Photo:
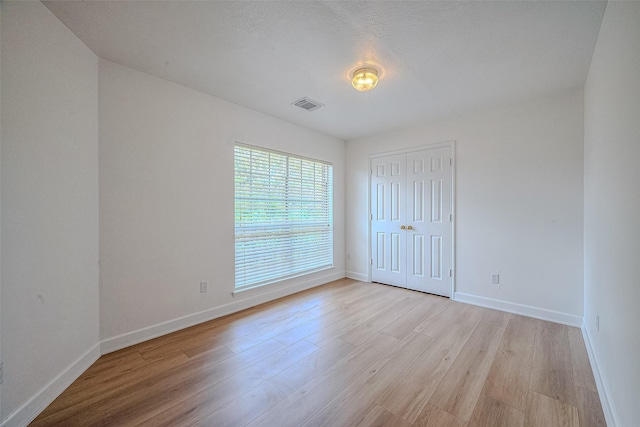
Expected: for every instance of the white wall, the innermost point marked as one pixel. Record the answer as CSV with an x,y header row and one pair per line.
x,y
612,211
519,196
166,202
49,207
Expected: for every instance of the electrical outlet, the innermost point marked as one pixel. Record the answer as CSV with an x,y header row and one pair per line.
x,y
495,279
204,287
598,323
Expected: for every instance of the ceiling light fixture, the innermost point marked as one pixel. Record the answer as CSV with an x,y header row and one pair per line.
x,y
364,79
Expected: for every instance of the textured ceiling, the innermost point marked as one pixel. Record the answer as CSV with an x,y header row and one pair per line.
x,y
436,58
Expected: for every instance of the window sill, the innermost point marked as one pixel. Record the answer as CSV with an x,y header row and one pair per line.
x,y
281,284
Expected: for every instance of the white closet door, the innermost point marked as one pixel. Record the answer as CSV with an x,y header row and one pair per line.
x,y
410,220
388,206
428,221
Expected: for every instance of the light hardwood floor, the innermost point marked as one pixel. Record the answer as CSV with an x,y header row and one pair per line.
x,y
344,354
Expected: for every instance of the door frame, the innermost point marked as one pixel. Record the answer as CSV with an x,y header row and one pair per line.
x,y
452,197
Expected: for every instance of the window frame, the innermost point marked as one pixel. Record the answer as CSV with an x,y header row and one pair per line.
x,y
294,220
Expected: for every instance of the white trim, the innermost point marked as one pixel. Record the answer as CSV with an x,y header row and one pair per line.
x,y
369,218
603,390
47,394
247,300
362,277
525,310
452,224
442,144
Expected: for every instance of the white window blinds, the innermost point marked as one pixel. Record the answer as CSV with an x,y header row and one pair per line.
x,y
283,216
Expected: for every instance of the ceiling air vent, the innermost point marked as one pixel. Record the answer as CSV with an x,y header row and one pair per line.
x,y
307,104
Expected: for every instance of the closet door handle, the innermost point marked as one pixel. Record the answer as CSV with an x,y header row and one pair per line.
x,y
402,227
409,227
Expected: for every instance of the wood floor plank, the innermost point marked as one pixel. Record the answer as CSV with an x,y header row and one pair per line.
x,y
349,407
471,316
508,379
306,402
372,326
350,294
420,379
582,373
259,399
195,400
405,324
536,323
493,413
496,319
110,366
589,409
460,388
207,350
552,370
348,322
327,356
332,293
253,338
380,417
441,319
329,320
300,332
157,355
432,416
149,397
543,411
113,364
213,338
69,405
244,409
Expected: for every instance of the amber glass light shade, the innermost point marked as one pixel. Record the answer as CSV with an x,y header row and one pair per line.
x,y
364,79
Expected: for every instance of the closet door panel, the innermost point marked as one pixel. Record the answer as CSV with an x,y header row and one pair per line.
x,y
429,208
388,215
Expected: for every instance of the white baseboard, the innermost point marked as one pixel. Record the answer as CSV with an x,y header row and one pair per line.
x,y
603,390
357,276
43,398
525,310
246,300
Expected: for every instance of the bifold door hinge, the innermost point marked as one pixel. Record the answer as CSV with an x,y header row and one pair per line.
x,y
371,261
450,273
450,217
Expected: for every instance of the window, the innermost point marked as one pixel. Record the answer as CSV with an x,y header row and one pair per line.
x,y
283,216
